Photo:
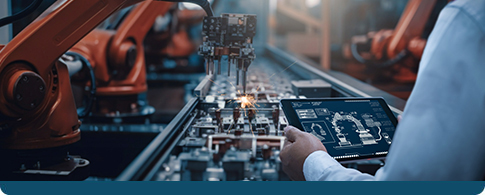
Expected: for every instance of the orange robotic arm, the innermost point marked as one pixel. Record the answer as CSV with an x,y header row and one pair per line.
x,y
405,38
118,60
37,109
180,44
409,29
118,57
173,41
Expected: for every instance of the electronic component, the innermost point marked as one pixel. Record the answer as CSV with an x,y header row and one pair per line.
x,y
229,35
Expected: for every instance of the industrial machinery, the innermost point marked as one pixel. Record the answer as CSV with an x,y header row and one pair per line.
x,y
404,45
38,117
229,35
38,114
171,45
118,59
226,135
117,56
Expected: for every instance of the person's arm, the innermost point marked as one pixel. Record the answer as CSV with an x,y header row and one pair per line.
x,y
441,134
305,158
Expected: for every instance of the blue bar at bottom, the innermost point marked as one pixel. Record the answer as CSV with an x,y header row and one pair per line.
x,y
248,188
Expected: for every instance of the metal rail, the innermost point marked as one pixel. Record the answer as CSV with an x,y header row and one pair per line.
x,y
150,157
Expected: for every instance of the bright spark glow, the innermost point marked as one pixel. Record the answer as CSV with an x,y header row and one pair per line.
x,y
247,101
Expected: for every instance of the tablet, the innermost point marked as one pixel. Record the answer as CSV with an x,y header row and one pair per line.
x,y
351,129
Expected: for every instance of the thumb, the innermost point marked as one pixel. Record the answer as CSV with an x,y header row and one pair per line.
x,y
292,133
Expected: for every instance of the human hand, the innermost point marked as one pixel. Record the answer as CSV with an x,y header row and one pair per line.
x,y
298,146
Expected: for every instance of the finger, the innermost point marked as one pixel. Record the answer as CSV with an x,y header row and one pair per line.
x,y
287,143
292,133
284,151
286,146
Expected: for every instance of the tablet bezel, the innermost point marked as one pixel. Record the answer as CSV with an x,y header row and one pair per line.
x,y
293,120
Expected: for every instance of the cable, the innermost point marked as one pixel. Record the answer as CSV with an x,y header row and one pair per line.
x,y
401,55
202,3
87,109
31,8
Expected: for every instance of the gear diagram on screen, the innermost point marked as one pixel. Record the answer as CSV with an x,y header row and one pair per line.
x,y
350,129
317,128
320,130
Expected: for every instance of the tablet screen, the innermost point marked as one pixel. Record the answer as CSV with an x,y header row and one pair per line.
x,y
349,128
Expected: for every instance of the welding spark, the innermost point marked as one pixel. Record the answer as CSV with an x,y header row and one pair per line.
x,y
246,102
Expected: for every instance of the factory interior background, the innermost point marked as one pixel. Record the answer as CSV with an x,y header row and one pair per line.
x,y
151,102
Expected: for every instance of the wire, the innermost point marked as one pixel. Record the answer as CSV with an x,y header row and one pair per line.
x,y
202,3
31,8
87,109
401,55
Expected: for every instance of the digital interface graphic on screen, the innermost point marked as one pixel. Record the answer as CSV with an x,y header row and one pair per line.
x,y
349,129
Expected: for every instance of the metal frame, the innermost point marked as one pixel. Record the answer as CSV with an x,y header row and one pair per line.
x,y
204,86
322,24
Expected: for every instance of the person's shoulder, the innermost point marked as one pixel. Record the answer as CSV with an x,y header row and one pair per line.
x,y
475,9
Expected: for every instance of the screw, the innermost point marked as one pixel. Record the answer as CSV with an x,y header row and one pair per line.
x,y
19,97
32,105
25,78
41,88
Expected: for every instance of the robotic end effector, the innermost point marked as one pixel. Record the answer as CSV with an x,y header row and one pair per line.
x,y
229,35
